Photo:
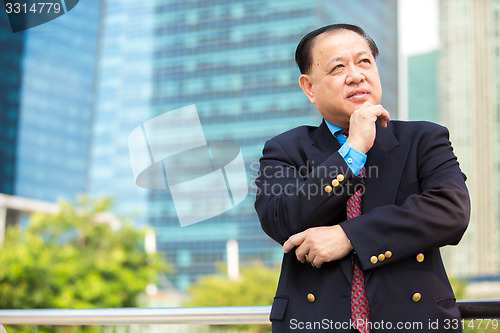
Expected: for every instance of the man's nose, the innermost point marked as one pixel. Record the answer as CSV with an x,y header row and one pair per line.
x,y
355,75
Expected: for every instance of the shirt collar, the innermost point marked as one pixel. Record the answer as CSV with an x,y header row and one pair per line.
x,y
333,128
341,138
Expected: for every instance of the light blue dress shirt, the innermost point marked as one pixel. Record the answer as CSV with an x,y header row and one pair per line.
x,y
354,158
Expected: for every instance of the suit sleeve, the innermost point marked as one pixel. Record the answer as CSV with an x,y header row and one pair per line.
x,y
290,199
435,217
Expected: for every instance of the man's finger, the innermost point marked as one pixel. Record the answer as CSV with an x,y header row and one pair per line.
x,y
303,254
293,241
383,116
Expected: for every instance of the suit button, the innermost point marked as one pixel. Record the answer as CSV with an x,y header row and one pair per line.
x,y
381,257
420,257
311,298
335,183
388,254
340,177
416,297
373,260
328,189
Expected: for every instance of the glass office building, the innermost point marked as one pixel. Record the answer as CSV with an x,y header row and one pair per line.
x,y
470,108
11,51
235,61
47,100
423,93
124,96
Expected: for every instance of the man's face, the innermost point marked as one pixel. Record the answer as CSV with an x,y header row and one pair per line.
x,y
343,76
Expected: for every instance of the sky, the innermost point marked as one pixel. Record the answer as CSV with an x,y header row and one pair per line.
x,y
419,26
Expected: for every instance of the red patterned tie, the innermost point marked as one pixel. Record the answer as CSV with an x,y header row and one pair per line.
x,y
359,302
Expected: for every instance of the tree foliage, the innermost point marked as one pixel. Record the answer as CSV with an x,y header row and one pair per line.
x,y
73,259
256,285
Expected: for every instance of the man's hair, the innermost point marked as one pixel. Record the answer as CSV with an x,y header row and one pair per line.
x,y
303,56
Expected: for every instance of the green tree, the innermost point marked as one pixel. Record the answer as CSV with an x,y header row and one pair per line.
x,y
256,285
75,259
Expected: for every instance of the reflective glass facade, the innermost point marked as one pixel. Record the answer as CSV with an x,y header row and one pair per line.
x,y
124,98
11,55
235,61
423,87
55,101
470,108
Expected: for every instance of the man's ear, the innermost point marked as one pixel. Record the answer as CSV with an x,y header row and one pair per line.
x,y
305,82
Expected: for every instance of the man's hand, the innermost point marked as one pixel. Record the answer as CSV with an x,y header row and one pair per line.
x,y
362,128
320,244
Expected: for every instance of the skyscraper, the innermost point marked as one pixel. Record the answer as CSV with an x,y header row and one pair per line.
x,y
47,100
235,61
11,47
423,93
469,68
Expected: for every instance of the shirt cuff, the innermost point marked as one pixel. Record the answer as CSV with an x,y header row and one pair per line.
x,y
354,158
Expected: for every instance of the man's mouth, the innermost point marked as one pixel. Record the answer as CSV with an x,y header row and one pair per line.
x,y
357,92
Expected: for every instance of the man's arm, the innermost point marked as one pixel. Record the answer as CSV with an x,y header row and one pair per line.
x,y
438,215
435,217
290,200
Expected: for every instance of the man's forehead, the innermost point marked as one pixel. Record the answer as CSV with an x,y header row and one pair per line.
x,y
340,37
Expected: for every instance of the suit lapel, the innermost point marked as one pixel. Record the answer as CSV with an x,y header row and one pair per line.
x,y
384,167
324,144
383,170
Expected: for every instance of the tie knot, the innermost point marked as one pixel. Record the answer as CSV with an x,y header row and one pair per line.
x,y
345,132
362,172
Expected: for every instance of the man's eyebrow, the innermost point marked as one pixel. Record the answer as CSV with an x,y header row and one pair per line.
x,y
357,54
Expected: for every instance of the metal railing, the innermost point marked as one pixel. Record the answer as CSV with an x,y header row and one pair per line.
x,y
217,315
479,309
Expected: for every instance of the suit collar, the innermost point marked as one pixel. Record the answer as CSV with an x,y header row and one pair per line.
x,y
324,139
383,169
385,139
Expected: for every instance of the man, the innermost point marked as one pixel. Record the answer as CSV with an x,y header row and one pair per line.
x,y
360,214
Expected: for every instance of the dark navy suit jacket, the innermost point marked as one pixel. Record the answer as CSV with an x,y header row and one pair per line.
x,y
415,201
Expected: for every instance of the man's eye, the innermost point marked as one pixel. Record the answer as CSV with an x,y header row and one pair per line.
x,y
366,60
339,66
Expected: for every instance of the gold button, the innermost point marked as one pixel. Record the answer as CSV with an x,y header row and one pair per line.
x,y
381,257
416,297
388,254
328,189
373,260
311,298
335,183
340,177
420,257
